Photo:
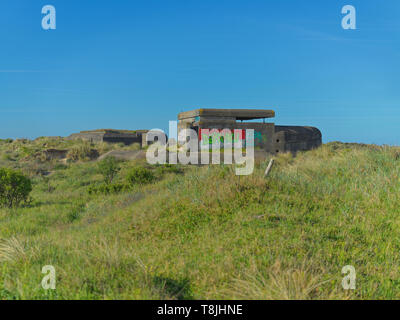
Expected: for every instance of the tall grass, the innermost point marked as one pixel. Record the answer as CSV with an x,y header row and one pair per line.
x,y
204,233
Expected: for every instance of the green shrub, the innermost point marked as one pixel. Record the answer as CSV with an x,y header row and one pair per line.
x,y
7,157
6,140
108,188
109,168
14,188
75,213
60,166
168,168
139,175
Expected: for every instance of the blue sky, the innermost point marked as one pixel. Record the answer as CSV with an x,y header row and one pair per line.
x,y
136,64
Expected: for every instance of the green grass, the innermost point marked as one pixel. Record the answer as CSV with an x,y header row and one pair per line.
x,y
204,233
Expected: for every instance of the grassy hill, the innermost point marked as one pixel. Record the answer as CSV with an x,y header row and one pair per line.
x,y
204,233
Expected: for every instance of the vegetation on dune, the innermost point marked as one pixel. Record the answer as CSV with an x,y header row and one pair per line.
x,y
14,188
109,168
204,233
140,175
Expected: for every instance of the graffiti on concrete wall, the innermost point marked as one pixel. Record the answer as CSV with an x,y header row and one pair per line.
x,y
258,137
220,137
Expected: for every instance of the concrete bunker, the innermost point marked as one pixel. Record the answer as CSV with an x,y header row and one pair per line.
x,y
126,137
268,137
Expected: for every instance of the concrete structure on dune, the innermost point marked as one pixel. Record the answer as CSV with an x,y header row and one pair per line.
x,y
267,136
112,136
209,125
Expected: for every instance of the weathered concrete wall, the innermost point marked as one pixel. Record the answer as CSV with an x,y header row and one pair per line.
x,y
263,132
125,138
238,114
88,136
296,138
111,136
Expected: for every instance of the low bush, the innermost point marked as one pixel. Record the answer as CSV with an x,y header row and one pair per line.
x,y
168,168
139,175
60,166
6,140
14,188
108,188
109,168
75,212
7,157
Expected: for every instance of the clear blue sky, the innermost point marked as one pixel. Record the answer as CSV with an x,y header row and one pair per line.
x,y
136,64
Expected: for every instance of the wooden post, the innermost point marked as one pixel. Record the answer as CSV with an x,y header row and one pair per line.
x,y
271,162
